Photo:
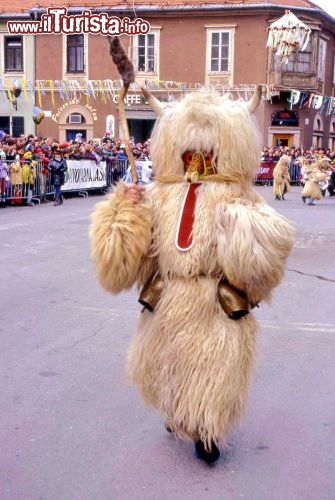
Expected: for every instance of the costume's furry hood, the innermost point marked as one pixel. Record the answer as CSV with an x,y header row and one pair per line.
x,y
205,121
284,160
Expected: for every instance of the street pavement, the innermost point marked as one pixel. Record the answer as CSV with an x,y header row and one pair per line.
x,y
73,428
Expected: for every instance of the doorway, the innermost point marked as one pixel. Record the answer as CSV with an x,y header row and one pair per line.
x,y
283,140
140,129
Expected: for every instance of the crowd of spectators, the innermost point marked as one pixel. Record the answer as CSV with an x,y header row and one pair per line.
x,y
28,148
272,153
300,158
37,153
109,149
41,148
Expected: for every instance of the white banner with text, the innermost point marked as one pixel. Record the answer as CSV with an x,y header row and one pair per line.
x,y
84,174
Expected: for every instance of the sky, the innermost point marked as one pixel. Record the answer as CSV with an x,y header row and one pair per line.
x,y
326,5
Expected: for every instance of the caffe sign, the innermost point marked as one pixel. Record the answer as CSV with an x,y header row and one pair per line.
x,y
129,99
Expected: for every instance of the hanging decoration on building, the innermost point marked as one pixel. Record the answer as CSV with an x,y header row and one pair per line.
x,y
107,90
285,118
304,99
16,88
286,35
294,98
38,115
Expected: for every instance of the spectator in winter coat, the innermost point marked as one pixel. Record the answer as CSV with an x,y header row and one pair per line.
x,y
28,180
15,176
43,173
331,184
57,168
3,177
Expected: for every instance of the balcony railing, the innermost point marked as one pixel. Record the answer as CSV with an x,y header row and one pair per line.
x,y
298,81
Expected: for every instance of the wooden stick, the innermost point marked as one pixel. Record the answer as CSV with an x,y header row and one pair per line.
x,y
125,130
126,69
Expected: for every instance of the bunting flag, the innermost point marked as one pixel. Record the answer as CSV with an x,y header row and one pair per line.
x,y
304,99
25,88
51,86
294,99
39,95
317,101
106,90
331,106
325,104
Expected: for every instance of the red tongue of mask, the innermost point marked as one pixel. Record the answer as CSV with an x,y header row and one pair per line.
x,y
194,164
184,231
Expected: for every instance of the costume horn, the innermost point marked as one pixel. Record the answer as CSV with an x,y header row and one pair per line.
x,y
253,103
38,115
154,103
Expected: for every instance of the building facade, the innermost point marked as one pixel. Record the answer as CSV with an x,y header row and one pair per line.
x,y
17,64
71,76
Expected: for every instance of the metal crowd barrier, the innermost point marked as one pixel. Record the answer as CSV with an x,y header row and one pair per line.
x,y
264,174
42,190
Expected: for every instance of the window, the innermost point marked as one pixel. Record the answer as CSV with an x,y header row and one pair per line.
x,y
13,53
220,54
322,59
76,118
5,124
220,51
317,132
18,126
75,53
146,53
299,62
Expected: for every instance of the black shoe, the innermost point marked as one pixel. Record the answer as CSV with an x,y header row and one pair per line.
x,y
282,198
208,456
303,199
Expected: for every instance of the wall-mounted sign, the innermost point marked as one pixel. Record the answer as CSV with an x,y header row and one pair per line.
x,y
285,118
110,125
59,111
93,111
129,99
55,116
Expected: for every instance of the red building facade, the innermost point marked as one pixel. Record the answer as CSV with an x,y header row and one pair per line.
x,y
188,44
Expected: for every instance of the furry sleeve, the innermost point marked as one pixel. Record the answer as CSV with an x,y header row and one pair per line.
x,y
254,242
120,235
278,175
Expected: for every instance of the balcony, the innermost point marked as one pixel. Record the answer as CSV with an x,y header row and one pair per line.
x,y
297,81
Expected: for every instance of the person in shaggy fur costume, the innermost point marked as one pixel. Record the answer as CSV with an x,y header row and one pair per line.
x,y
204,248
281,177
315,173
